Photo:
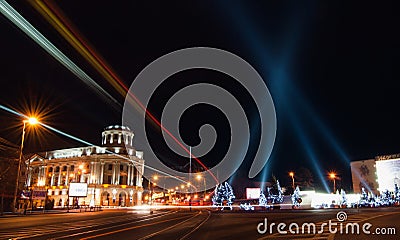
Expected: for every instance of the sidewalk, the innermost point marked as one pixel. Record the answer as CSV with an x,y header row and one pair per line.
x,y
41,212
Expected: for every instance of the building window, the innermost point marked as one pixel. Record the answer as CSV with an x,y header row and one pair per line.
x,y
110,166
109,179
57,169
121,167
50,169
120,179
64,168
72,168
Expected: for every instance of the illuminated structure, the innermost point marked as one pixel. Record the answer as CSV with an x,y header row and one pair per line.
x,y
376,175
112,171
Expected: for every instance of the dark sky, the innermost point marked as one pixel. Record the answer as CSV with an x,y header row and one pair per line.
x,y
330,68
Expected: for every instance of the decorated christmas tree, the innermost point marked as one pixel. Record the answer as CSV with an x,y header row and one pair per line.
x,y
343,197
364,195
262,201
296,200
223,192
230,196
279,198
396,193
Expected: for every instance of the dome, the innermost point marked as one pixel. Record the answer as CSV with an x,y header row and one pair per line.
x,y
118,139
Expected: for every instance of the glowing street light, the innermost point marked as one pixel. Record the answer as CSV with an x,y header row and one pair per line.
x,y
30,121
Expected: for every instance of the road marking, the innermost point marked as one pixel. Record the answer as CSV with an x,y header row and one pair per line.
x,y
197,227
130,228
29,232
168,228
118,225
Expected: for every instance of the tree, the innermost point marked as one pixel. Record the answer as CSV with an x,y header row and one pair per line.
x,y
223,192
296,199
304,178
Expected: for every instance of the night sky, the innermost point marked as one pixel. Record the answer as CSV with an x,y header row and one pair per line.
x,y
329,66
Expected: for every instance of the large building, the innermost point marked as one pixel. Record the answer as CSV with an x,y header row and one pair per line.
x,y
113,171
376,175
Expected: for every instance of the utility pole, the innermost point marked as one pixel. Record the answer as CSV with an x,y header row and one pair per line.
x,y
190,173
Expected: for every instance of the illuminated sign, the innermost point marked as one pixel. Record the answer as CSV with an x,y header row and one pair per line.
x,y
388,173
253,193
78,189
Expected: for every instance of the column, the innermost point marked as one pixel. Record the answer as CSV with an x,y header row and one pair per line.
x,y
118,173
128,181
44,180
59,176
133,175
67,176
113,174
139,175
91,169
101,173
52,176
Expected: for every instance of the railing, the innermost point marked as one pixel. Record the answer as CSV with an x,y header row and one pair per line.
x,y
88,208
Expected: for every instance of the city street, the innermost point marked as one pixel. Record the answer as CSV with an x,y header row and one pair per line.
x,y
199,223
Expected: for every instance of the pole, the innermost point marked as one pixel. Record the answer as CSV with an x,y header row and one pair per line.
x,y
205,187
19,168
293,182
190,172
334,185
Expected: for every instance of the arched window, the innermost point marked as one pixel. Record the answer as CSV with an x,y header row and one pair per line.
x,y
57,169
64,168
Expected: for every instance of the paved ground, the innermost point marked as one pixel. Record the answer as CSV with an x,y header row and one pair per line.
x,y
205,223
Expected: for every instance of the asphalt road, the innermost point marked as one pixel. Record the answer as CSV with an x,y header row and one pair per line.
x,y
206,224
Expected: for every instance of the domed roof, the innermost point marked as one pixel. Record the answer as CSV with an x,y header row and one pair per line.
x,y
117,127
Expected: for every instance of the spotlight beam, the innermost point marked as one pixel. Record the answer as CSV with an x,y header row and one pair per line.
x,y
9,12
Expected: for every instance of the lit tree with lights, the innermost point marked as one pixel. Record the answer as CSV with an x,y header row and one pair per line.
x,y
223,192
279,198
296,199
343,197
396,193
262,201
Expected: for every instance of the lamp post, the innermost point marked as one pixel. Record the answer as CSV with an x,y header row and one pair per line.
x,y
333,177
31,121
291,174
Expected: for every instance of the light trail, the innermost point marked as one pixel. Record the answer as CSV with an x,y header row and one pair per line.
x,y
88,143
9,12
55,17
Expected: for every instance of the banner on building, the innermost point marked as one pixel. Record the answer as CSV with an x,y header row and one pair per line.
x,y
78,189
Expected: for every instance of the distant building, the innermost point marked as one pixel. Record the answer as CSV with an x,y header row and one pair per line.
x,y
376,175
113,172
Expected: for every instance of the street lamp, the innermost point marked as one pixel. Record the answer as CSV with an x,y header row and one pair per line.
x,y
31,121
332,176
291,174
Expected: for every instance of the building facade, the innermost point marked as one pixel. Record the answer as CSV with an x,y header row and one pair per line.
x,y
376,175
113,171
